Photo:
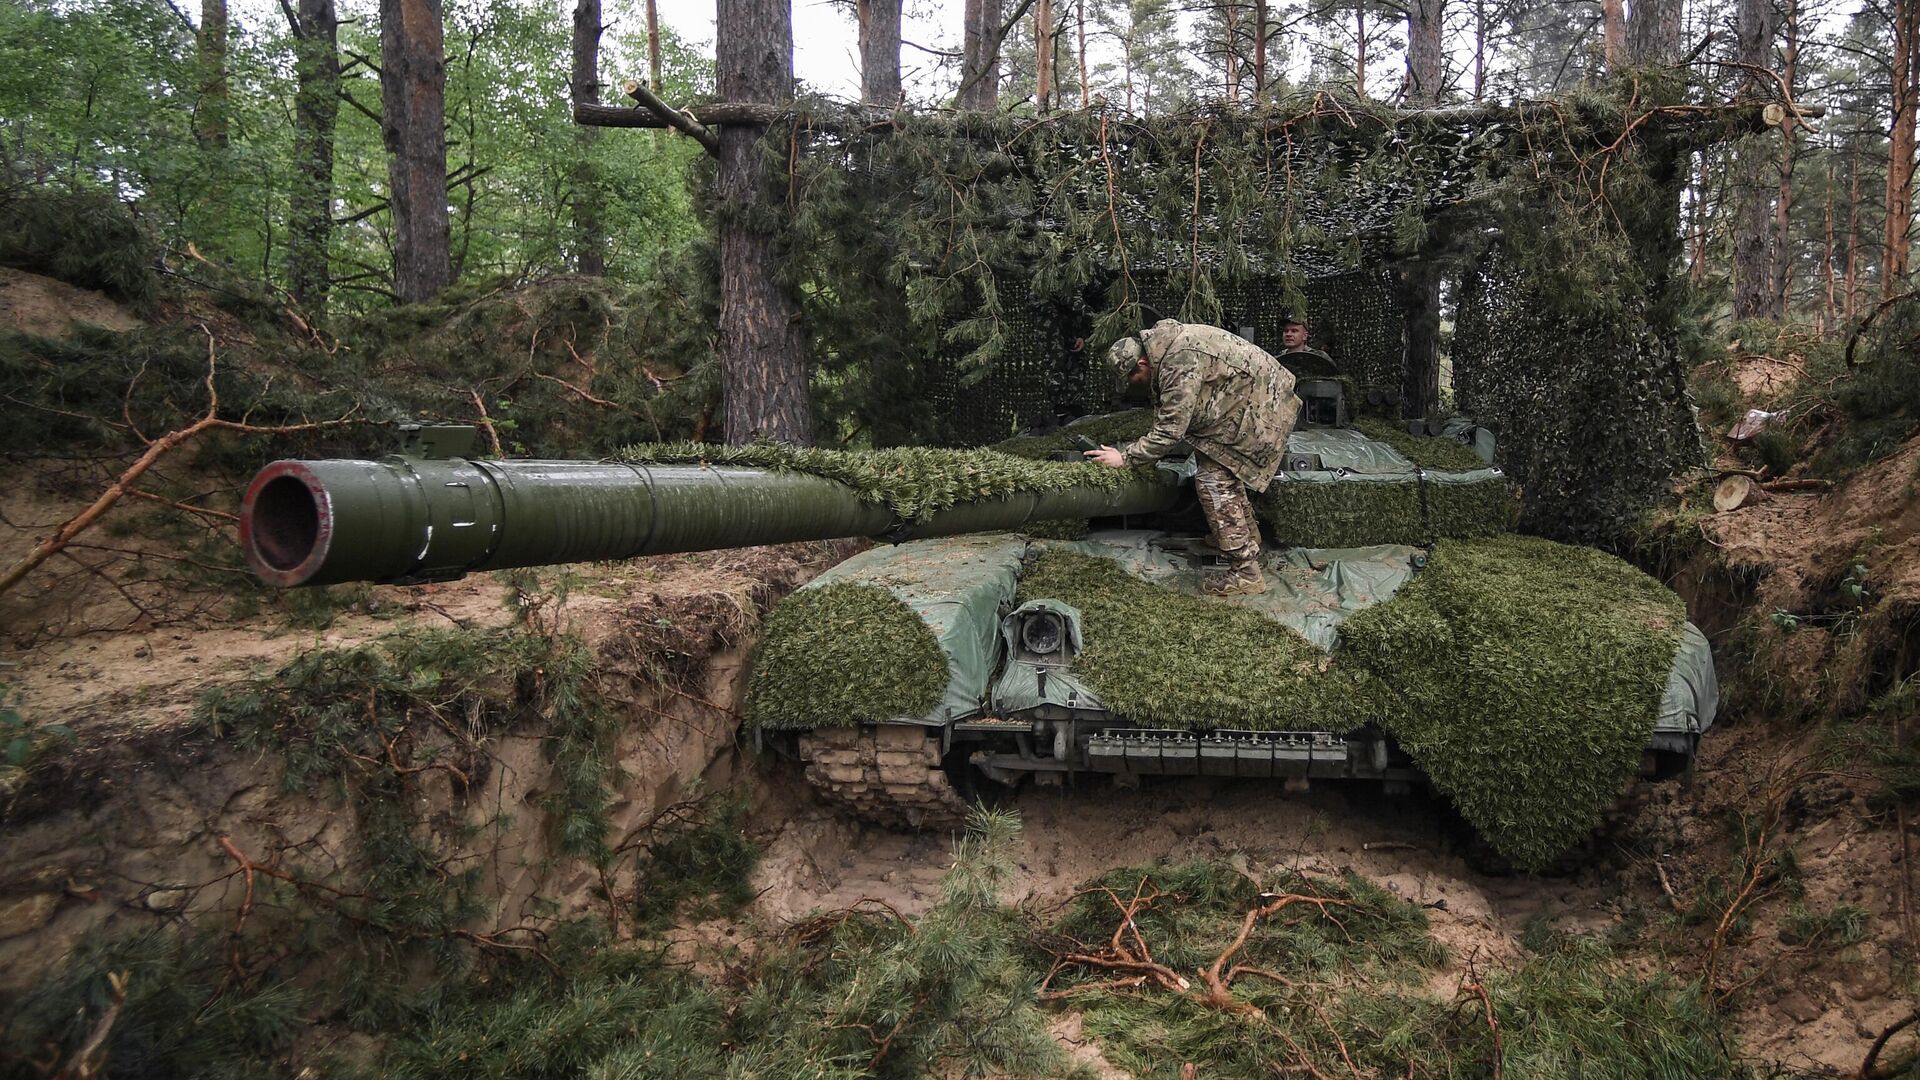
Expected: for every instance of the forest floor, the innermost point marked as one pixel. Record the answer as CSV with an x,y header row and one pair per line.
x,y
1775,875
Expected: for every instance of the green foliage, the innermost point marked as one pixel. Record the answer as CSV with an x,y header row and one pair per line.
x,y
1346,991
950,994
22,741
185,1014
845,994
1837,927
370,721
913,482
702,858
1877,399
1530,674
625,1015
85,238
1140,656
844,654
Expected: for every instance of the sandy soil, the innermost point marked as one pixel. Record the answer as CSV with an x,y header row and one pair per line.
x,y
40,305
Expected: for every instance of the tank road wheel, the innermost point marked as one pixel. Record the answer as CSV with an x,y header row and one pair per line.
x,y
889,775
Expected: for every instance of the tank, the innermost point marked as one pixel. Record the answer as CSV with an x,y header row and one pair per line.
x,y
1352,520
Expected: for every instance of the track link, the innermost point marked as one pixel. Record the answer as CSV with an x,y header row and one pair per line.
x,y
889,775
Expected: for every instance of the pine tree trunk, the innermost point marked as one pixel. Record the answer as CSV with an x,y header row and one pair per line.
x,y
1613,33
1230,15
1042,53
880,53
211,111
588,203
763,377
1260,52
1852,291
1420,279
1900,147
1653,32
980,57
413,79
1829,309
1360,49
653,44
1753,225
1426,59
1697,225
1080,19
316,107
1479,50
1783,252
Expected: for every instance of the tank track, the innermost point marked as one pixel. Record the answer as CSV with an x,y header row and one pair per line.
x,y
889,775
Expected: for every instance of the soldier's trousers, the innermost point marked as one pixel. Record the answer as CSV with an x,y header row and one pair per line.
x,y
1223,499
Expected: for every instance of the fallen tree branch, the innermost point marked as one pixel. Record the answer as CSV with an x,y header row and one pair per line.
x,y
1853,339
1867,1067
682,122
90,1059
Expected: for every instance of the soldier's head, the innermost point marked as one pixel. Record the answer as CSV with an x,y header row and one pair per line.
x,y
1293,331
1129,359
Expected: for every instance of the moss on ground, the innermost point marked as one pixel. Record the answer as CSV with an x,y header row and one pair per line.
x,y
1529,675
844,654
1168,659
913,482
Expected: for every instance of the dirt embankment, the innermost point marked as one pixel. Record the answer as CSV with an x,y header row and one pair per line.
x,y
141,818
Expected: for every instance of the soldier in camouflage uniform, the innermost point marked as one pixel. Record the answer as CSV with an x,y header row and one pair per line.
x,y
1300,357
1234,404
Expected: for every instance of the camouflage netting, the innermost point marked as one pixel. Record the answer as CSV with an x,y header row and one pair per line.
x,y
911,481
988,259
1167,659
1529,675
1593,443
1356,511
1523,675
1459,499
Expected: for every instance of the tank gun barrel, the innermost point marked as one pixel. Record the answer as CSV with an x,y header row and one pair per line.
x,y
408,520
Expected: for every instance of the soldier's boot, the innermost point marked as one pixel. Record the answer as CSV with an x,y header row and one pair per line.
x,y
1239,581
1244,579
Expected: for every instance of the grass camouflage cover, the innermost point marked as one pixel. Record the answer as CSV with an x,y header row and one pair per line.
x,y
843,654
1530,674
913,482
1167,659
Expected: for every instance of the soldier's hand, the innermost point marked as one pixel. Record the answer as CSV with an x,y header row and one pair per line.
x,y
1107,456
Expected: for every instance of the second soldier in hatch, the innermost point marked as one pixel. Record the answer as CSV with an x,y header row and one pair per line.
x,y
1301,358
1234,404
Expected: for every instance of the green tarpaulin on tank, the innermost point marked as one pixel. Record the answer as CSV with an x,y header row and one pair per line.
x,y
1310,591
956,586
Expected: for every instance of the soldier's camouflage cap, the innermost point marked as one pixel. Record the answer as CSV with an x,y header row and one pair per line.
x,y
1125,353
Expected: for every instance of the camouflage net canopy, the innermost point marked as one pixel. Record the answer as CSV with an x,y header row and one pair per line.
x,y
1047,371
960,274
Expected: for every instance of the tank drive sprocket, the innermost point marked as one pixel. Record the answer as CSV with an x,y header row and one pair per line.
x,y
889,774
